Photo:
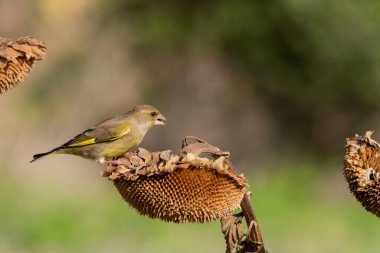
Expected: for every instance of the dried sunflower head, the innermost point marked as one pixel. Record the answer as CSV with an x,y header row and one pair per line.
x,y
180,188
17,59
362,170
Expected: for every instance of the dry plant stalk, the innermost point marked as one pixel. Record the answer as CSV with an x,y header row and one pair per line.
x,y
232,228
17,59
362,170
197,185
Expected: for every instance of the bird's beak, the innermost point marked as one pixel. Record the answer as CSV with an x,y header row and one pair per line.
x,y
160,120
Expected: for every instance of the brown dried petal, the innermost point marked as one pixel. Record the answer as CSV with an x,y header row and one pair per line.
x,y
144,154
136,161
9,54
165,155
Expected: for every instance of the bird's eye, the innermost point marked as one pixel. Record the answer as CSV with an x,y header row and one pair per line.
x,y
153,114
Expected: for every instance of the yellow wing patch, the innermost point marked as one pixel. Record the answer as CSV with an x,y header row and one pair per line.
x,y
83,143
106,136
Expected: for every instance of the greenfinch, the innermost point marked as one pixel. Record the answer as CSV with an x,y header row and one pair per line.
x,y
113,137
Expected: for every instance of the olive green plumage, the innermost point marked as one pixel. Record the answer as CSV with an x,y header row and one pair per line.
x,y
113,137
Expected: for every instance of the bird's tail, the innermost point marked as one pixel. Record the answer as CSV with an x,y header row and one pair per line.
x,y
40,155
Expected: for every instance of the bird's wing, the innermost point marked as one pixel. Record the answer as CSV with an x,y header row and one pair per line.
x,y
101,133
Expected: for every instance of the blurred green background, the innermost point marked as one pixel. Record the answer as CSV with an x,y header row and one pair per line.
x,y
278,83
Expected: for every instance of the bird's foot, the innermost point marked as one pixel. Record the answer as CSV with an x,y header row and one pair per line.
x,y
114,162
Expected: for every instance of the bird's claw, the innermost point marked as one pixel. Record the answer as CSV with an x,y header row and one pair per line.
x,y
113,162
